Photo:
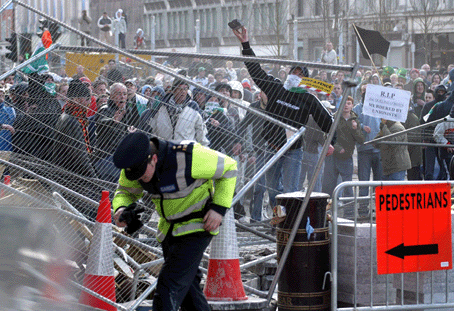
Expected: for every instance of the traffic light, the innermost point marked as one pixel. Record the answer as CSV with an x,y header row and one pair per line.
x,y
44,25
53,28
25,41
13,47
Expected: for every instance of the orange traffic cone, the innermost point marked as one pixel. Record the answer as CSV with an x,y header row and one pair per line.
x,y
99,274
7,182
58,274
223,281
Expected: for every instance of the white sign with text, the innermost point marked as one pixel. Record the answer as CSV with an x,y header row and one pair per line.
x,y
386,103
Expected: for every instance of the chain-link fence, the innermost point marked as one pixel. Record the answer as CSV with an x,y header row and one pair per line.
x,y
68,107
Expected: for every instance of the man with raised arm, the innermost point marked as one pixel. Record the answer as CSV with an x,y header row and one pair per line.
x,y
292,105
287,103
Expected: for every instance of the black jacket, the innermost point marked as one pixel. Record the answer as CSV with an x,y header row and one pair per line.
x,y
108,132
442,109
69,150
289,107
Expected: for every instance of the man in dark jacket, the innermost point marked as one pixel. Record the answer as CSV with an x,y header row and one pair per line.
x,y
72,149
288,105
285,105
112,125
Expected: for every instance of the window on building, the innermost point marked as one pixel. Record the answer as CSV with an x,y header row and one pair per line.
x,y
271,15
300,8
160,24
208,23
214,14
257,15
245,12
300,53
318,7
225,17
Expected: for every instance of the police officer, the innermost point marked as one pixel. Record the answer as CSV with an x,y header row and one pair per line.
x,y
192,187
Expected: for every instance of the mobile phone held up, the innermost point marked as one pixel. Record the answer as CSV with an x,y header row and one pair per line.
x,y
235,24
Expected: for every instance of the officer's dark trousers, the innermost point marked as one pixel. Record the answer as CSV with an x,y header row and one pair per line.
x,y
179,280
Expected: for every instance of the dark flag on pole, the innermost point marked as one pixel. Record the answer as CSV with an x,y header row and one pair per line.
x,y
371,42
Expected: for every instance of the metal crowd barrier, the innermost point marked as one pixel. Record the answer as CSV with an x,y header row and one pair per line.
x,y
355,282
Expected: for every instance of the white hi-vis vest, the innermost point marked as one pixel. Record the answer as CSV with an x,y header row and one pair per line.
x,y
187,176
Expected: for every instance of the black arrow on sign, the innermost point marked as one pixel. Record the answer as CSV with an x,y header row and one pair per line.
x,y
401,251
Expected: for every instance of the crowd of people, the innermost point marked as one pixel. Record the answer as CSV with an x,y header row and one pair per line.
x,y
76,124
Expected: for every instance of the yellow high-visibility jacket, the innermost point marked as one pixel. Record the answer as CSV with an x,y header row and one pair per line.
x,y
187,176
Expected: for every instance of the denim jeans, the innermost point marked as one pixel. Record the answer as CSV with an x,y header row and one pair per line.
x,y
286,172
259,187
431,159
106,170
367,161
334,168
308,169
395,176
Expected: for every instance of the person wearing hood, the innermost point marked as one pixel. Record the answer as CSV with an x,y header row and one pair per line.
x,y
154,103
178,117
114,120
237,94
139,40
418,99
290,104
431,154
119,27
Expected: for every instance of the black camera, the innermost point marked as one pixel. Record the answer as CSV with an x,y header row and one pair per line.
x,y
235,24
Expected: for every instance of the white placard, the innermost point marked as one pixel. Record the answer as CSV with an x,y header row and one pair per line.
x,y
386,103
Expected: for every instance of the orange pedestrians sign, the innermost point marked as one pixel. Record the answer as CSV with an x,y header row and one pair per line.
x,y
413,228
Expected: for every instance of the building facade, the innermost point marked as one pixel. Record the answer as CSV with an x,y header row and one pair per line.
x,y
174,23
420,31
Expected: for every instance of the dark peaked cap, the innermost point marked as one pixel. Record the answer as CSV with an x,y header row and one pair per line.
x,y
132,154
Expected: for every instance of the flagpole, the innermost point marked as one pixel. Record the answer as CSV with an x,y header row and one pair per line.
x,y
367,51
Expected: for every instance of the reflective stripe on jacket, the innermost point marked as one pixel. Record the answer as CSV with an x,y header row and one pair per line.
x,y
186,176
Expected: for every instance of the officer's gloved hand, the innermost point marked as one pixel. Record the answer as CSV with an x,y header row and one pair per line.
x,y
131,216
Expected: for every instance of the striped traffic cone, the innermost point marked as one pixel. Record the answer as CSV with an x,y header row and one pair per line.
x,y
99,274
7,182
223,281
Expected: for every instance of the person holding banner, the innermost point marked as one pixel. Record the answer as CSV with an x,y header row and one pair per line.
x,y
368,155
